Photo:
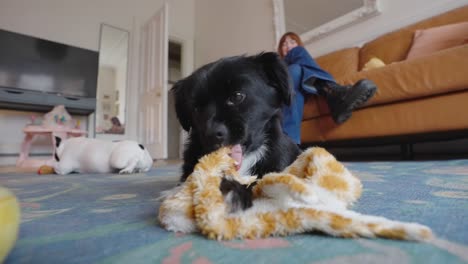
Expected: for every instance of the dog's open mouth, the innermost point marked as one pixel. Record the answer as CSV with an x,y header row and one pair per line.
x,y
236,154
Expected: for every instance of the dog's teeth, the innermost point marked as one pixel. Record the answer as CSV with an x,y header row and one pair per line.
x,y
236,163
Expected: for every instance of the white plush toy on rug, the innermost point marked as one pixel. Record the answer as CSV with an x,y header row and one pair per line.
x,y
312,194
89,155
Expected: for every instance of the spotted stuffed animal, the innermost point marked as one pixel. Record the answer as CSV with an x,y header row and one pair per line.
x,y
312,194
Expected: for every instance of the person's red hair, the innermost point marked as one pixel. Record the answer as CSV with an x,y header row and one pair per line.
x,y
283,39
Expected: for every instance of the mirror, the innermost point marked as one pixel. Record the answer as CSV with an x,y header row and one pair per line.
x,y
315,19
112,81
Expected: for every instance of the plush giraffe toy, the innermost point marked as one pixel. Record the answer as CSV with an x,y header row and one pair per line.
x,y
312,194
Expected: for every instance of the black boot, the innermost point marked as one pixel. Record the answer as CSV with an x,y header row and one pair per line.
x,y
342,100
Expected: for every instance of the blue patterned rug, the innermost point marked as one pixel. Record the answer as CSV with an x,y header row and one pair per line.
x,y
112,219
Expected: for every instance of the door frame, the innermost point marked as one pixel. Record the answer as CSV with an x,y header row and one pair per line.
x,y
187,67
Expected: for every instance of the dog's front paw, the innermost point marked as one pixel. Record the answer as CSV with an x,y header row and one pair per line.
x,y
126,171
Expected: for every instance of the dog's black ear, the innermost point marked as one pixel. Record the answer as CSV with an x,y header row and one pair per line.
x,y
57,141
181,105
277,74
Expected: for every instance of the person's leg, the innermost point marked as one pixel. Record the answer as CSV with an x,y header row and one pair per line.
x,y
342,100
292,114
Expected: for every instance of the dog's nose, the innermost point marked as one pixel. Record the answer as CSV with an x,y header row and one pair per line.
x,y
221,132
218,134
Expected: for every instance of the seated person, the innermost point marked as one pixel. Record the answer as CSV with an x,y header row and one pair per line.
x,y
117,127
308,78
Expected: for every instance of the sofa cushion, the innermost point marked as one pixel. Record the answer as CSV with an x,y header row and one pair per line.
x,y
406,80
438,73
394,46
341,62
430,40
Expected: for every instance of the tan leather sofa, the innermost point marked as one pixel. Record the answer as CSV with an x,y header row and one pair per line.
x,y
416,97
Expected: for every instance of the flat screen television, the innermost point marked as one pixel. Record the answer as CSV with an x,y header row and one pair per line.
x,y
29,64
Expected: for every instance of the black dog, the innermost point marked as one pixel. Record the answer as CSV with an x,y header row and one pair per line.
x,y
237,101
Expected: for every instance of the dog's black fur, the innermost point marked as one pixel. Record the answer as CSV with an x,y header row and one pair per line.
x,y
237,100
241,195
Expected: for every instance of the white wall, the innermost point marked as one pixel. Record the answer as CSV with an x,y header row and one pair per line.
x,y
227,28
78,23
395,14
65,21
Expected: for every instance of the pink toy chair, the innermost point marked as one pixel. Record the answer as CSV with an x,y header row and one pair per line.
x,y
57,122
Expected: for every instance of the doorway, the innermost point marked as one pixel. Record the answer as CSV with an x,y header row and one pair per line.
x,y
174,74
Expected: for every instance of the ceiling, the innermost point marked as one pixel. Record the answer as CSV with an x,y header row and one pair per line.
x,y
304,15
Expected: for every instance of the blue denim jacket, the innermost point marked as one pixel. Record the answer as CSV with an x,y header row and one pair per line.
x,y
310,68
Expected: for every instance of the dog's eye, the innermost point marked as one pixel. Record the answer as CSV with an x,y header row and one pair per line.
x,y
236,99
